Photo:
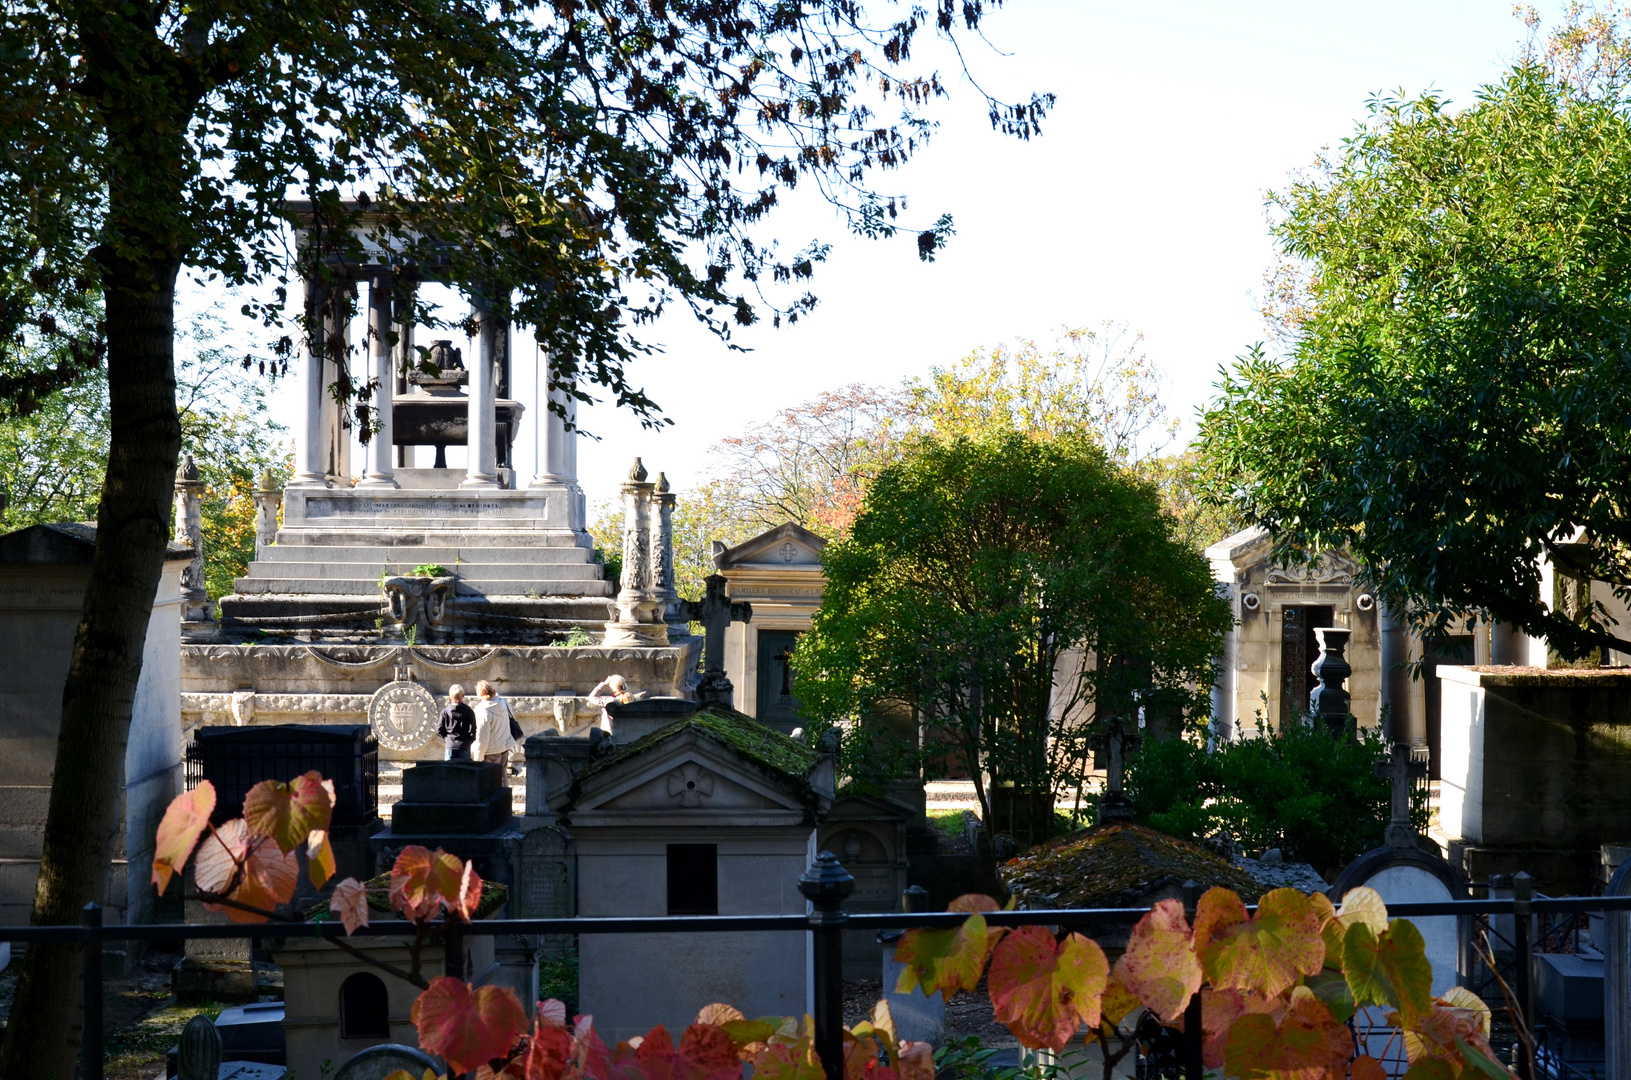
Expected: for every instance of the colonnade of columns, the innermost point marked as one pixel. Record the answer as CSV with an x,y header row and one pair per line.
x,y
323,435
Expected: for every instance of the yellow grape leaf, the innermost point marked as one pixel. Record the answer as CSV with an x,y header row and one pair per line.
x,y
880,1025
1045,990
945,960
319,857
183,823
289,812
1159,965
1391,969
979,902
1430,1069
789,1061
1264,954
1361,905
1117,1002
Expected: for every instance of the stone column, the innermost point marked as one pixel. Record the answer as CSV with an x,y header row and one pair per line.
x,y
195,602
380,470
482,470
1397,688
662,560
559,445
638,607
268,496
310,468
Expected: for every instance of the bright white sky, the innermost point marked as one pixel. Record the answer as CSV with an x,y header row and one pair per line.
x,y
1141,203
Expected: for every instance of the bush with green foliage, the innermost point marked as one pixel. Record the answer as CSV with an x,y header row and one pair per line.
x,y
1313,795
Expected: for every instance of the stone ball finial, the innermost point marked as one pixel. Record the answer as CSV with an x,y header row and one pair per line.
x,y
637,472
662,483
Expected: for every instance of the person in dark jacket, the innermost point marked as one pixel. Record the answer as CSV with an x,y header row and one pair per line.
x,y
457,726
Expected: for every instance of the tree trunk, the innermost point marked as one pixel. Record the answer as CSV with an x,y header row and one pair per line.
x,y
133,528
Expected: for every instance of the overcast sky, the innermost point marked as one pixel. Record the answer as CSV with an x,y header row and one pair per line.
x,y
1142,203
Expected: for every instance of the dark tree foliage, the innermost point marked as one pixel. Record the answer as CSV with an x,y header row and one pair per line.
x,y
1455,404
603,158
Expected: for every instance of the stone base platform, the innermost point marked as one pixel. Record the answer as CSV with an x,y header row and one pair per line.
x,y
546,685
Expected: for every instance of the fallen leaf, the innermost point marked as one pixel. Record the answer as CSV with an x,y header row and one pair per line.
x,y
184,821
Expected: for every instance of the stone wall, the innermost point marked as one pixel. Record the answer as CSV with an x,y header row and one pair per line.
x,y
1537,771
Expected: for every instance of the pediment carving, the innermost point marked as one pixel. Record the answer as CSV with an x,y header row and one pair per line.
x,y
1332,568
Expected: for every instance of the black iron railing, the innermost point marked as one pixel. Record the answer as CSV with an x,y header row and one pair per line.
x,y
825,924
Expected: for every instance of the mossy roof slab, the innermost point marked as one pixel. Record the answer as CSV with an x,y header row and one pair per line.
x,y
759,743
1114,866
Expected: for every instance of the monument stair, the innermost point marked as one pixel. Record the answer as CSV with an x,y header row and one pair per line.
x,y
532,586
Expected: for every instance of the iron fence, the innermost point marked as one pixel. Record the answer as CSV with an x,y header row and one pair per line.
x,y
825,887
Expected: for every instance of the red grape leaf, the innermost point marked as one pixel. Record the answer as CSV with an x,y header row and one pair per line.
x,y
467,1026
1366,1067
707,1053
1480,1061
269,878
422,880
945,960
319,857
1308,1039
288,812
1264,954
1392,969
788,1061
548,1053
1117,1002
468,898
350,903
178,834
1045,990
1159,965
915,1061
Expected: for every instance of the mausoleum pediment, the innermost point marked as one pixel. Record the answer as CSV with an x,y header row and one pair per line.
x,y
787,545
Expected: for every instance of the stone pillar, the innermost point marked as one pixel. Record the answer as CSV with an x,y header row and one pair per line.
x,y
268,496
1617,979
195,602
662,559
1329,700
380,471
1397,695
558,440
638,608
336,425
309,464
482,470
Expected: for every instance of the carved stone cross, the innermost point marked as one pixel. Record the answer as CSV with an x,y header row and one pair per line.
x,y
715,612
1114,805
1399,770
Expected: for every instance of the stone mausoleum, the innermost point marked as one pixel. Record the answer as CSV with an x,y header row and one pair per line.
x,y
373,594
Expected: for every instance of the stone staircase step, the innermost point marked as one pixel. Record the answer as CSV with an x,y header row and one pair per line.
x,y
371,572
417,536
409,555
538,587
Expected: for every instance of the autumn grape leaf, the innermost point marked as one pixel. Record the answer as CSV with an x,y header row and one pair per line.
x,y
183,823
1365,1067
745,1033
1331,987
718,1014
319,857
289,812
467,1026
789,1061
1159,965
468,898
1392,969
1308,1038
944,960
915,1061
551,1012
880,1025
1116,1003
1045,990
1264,954
1459,997
1219,1010
546,1057
979,902
1430,1069
350,903
421,880
249,870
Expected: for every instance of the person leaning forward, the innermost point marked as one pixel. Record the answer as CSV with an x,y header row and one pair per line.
x,y
457,726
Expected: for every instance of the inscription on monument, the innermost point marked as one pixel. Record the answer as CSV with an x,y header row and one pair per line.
x,y
547,887
398,507
403,715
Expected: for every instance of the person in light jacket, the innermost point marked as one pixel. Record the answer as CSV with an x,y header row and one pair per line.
x,y
497,732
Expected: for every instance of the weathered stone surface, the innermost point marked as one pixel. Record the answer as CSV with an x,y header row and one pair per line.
x,y
452,781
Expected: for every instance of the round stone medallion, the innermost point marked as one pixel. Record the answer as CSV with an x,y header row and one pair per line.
x,y
403,715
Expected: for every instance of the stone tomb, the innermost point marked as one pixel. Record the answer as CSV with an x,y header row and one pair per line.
x,y
43,573
713,814
778,573
1537,771
868,835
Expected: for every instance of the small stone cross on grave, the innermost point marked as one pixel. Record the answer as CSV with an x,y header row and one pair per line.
x,y
715,612
1114,805
1399,770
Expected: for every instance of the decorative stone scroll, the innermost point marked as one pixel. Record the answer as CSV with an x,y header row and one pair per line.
x,y
403,715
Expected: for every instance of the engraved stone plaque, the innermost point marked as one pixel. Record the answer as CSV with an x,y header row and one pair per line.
x,y
403,715
547,882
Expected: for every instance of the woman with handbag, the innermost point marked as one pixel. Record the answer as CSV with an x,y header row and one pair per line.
x,y
497,732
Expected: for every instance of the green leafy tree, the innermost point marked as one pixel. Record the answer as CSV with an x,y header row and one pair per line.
x,y
1454,405
975,570
604,159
